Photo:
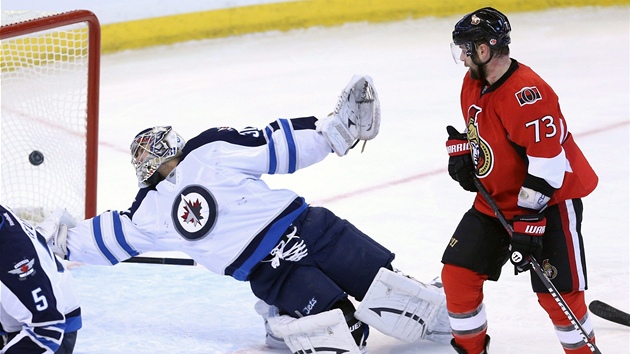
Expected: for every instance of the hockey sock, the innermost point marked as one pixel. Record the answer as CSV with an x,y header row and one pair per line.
x,y
464,301
569,337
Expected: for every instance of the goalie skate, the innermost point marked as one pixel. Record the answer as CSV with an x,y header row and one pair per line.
x,y
267,311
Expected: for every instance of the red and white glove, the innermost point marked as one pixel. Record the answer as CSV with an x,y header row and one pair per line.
x,y
527,239
460,164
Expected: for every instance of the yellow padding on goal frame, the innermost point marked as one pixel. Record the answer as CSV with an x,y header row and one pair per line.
x,y
287,15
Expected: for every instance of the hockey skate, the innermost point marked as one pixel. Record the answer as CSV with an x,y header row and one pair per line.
x,y
266,311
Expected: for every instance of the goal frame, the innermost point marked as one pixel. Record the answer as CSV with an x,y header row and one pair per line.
x,y
53,21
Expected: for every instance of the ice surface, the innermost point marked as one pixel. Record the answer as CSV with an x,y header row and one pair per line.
x,y
397,191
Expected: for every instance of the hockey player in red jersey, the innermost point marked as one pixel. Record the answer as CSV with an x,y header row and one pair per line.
x,y
517,143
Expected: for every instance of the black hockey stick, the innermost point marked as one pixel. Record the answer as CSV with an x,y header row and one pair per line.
x,y
538,270
609,313
156,260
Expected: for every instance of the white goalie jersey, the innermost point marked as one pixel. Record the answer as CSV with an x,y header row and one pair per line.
x,y
214,205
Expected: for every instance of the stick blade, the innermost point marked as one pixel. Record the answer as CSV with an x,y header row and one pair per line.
x,y
609,313
157,260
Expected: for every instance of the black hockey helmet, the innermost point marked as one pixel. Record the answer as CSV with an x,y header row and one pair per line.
x,y
487,25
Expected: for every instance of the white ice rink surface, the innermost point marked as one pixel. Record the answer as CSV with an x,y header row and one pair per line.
x,y
397,191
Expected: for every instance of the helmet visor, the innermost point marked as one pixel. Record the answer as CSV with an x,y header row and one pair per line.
x,y
461,51
141,148
142,159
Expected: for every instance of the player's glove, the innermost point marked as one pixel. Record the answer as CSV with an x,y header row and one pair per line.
x,y
526,240
357,116
55,230
460,164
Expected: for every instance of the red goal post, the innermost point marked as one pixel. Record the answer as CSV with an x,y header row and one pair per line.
x,y
49,124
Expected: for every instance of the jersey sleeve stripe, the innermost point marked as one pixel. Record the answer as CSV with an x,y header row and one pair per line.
x,y
120,236
273,162
54,332
288,133
550,169
50,340
98,237
74,321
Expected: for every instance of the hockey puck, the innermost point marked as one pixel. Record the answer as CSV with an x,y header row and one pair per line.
x,y
36,158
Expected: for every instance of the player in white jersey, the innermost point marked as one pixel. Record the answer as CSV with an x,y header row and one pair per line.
x,y
38,310
206,198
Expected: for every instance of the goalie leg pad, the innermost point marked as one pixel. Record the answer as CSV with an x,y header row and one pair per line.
x,y
357,116
401,307
325,332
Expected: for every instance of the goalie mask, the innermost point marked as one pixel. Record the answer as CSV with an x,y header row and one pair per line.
x,y
150,149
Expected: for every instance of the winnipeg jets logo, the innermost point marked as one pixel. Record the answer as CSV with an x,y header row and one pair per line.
x,y
194,212
23,268
309,307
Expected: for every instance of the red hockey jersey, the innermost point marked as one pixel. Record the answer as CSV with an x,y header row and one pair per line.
x,y
515,127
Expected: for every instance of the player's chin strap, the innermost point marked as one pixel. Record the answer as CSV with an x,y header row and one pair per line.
x,y
357,116
405,308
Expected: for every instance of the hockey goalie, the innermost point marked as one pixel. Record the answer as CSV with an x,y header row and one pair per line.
x,y
205,197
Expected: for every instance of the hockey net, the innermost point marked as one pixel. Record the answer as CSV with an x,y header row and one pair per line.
x,y
49,123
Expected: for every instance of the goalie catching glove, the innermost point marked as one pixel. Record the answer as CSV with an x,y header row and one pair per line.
x,y
55,230
357,116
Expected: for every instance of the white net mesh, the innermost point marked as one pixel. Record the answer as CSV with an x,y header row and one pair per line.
x,y
44,118
12,17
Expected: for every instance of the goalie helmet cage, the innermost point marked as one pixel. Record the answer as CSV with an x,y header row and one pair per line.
x,y
49,124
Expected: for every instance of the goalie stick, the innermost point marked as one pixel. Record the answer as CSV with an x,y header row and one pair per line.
x,y
607,312
165,260
537,269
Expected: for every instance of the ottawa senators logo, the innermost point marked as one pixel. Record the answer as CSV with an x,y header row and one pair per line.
x,y
549,270
528,95
481,152
194,213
